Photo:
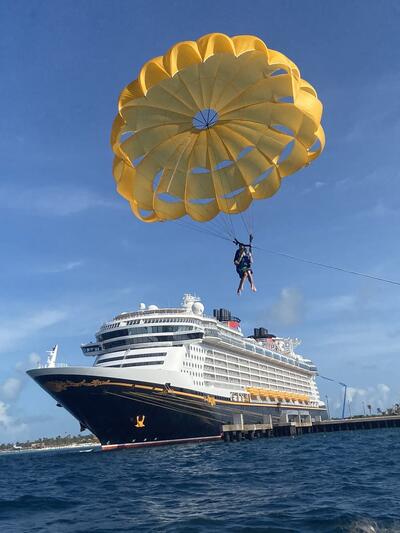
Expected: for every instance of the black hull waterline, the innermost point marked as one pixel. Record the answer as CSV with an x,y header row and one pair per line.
x,y
133,413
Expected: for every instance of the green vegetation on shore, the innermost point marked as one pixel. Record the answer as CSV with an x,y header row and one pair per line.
x,y
50,442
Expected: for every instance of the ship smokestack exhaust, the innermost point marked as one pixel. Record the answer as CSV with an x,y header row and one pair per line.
x,y
222,315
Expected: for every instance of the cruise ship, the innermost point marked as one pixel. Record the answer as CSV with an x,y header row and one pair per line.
x,y
169,375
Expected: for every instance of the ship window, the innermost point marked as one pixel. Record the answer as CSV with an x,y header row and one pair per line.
x,y
134,356
112,334
145,363
153,338
88,349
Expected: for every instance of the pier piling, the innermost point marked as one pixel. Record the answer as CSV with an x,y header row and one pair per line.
x,y
289,425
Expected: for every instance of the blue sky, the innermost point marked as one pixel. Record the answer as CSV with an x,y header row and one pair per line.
x,y
72,254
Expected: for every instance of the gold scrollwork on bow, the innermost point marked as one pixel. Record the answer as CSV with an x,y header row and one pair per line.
x,y
59,386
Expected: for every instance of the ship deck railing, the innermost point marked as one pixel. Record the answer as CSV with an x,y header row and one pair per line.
x,y
246,346
55,365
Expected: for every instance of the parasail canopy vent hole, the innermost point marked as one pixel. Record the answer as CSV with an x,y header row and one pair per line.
x,y
316,146
200,170
205,119
171,199
223,164
286,100
137,161
125,136
278,72
157,179
245,151
263,176
285,154
282,129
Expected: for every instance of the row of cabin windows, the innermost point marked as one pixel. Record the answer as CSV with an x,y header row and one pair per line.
x,y
144,363
134,356
91,349
163,321
196,374
256,374
140,330
257,379
110,326
246,381
232,384
193,356
250,369
261,351
221,357
196,349
153,338
270,379
191,365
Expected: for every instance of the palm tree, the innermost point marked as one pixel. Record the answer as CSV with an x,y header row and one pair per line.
x,y
369,407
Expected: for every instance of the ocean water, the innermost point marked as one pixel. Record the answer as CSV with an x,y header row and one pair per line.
x,y
328,482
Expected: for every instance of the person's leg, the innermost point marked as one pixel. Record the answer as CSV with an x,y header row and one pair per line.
x,y
251,280
242,280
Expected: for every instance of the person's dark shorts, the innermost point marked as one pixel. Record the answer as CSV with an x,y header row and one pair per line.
x,y
242,270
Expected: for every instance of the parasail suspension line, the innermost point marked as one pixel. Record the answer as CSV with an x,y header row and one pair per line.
x,y
330,267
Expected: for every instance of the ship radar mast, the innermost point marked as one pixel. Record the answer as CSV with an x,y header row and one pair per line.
x,y
52,357
192,304
189,299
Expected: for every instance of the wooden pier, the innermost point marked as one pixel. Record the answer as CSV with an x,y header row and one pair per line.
x,y
299,424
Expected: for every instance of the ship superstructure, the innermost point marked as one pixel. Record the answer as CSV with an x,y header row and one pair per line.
x,y
166,374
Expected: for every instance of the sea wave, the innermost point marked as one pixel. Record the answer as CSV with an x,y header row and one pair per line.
x,y
347,482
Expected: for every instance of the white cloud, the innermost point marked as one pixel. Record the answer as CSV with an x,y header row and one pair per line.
x,y
10,388
332,305
383,389
380,209
353,341
380,121
353,393
316,185
54,201
64,267
5,419
11,427
379,396
289,308
376,396
344,182
25,326
34,358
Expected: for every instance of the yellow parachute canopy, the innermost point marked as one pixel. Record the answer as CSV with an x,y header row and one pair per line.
x,y
211,126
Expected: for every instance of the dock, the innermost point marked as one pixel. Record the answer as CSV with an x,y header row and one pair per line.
x,y
300,424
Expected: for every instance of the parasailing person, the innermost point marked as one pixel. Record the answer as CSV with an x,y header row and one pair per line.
x,y
243,260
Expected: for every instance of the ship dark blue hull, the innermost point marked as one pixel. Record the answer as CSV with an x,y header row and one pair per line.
x,y
132,413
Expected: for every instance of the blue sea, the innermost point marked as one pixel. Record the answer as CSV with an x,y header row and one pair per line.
x,y
346,481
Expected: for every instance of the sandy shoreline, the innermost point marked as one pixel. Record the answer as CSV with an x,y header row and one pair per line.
x,y
79,447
